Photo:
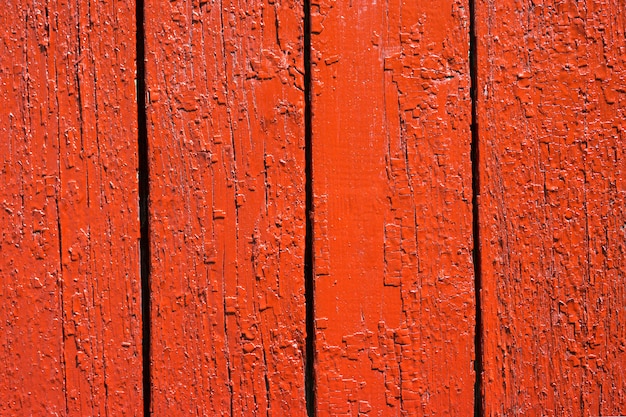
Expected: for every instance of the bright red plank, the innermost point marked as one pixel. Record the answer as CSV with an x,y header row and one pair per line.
x,y
552,198
394,282
70,315
226,152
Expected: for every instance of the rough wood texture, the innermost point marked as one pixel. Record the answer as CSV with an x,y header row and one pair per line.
x,y
226,150
552,118
70,316
394,286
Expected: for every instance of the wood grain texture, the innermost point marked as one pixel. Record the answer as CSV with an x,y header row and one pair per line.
x,y
70,316
394,285
226,153
551,127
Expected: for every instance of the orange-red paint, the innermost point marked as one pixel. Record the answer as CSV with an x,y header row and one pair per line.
x,y
392,184
226,149
392,194
551,106
70,315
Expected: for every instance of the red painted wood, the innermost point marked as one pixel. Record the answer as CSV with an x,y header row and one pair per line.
x,y
392,183
70,316
226,150
394,285
552,198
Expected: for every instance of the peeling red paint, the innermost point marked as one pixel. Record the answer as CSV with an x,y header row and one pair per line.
x,y
551,117
394,283
393,186
70,314
226,149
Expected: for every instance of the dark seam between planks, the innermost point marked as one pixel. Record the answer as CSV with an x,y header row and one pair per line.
x,y
144,195
309,287
476,255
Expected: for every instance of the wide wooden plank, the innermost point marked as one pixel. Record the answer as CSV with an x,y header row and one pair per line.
x,y
70,316
552,103
392,182
226,161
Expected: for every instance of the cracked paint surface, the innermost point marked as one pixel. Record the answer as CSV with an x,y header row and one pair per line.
x,y
552,197
394,283
70,309
392,221
226,159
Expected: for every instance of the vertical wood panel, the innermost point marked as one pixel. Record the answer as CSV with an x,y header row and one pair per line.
x,y
226,156
551,117
394,285
70,315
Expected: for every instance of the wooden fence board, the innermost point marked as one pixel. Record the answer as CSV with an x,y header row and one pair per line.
x,y
552,197
70,315
226,161
394,285
394,296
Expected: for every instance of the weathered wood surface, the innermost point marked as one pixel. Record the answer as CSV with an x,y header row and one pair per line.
x,y
552,79
226,161
394,295
70,316
394,283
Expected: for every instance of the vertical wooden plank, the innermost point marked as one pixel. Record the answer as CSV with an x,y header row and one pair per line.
x,y
394,285
552,198
70,315
226,156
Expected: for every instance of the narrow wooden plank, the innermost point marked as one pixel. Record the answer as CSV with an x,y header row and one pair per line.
x,y
394,285
70,315
226,155
552,198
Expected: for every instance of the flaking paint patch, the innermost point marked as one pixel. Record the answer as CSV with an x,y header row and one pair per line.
x,y
70,314
551,120
226,135
392,208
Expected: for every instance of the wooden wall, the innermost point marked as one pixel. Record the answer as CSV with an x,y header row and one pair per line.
x,y
347,208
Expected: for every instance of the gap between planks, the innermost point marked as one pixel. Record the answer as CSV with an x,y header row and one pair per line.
x,y
144,196
309,287
476,255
